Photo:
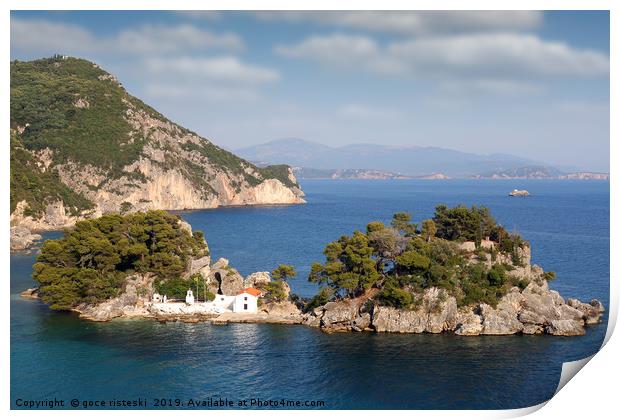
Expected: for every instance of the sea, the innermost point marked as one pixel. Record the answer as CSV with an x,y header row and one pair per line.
x,y
55,355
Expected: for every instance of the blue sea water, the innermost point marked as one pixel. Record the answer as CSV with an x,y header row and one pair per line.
x,y
56,355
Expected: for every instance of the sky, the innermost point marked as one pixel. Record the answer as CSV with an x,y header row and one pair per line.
x,y
529,83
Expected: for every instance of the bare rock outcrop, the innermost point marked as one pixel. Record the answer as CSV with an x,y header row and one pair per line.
x,y
565,327
591,312
22,238
340,315
232,282
284,310
32,293
198,265
437,313
468,322
55,217
220,264
504,319
258,279
387,319
161,184
534,310
129,304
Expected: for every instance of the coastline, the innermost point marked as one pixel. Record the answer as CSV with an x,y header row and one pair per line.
x,y
536,310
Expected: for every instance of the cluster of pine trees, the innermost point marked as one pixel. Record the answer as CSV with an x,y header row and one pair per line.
x,y
402,259
92,261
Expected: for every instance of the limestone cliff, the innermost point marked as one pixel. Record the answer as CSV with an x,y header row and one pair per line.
x,y
82,146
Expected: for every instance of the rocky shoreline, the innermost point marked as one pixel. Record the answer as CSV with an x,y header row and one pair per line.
x,y
530,308
533,310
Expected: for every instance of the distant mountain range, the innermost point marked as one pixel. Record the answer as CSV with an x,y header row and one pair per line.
x,y
542,172
312,173
373,161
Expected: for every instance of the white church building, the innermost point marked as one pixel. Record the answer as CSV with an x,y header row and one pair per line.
x,y
245,301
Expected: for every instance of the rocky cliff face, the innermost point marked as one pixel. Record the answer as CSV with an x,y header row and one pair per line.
x,y
91,148
175,172
534,310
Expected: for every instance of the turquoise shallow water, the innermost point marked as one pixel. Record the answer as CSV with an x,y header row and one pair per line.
x,y
567,223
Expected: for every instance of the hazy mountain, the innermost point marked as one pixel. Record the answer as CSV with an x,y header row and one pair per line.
x,y
311,173
525,172
406,160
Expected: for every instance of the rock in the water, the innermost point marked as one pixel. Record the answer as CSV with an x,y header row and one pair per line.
x,y
22,238
311,321
565,327
30,293
532,329
437,313
591,312
499,321
530,317
362,322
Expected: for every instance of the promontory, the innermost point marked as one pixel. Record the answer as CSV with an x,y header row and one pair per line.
x,y
82,146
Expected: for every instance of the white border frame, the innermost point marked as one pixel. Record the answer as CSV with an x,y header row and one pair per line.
x,y
590,394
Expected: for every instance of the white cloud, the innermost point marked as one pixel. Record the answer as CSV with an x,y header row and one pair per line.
x,y
159,38
40,36
491,86
414,22
200,14
218,69
496,56
204,93
334,49
44,37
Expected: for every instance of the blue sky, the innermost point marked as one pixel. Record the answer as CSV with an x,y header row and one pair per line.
x,y
532,84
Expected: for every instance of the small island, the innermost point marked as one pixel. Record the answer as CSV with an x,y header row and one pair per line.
x,y
459,272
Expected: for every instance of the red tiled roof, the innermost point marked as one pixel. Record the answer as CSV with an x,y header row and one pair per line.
x,y
250,290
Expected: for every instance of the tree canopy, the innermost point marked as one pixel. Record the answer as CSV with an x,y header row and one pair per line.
x,y
90,263
283,272
402,261
473,224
